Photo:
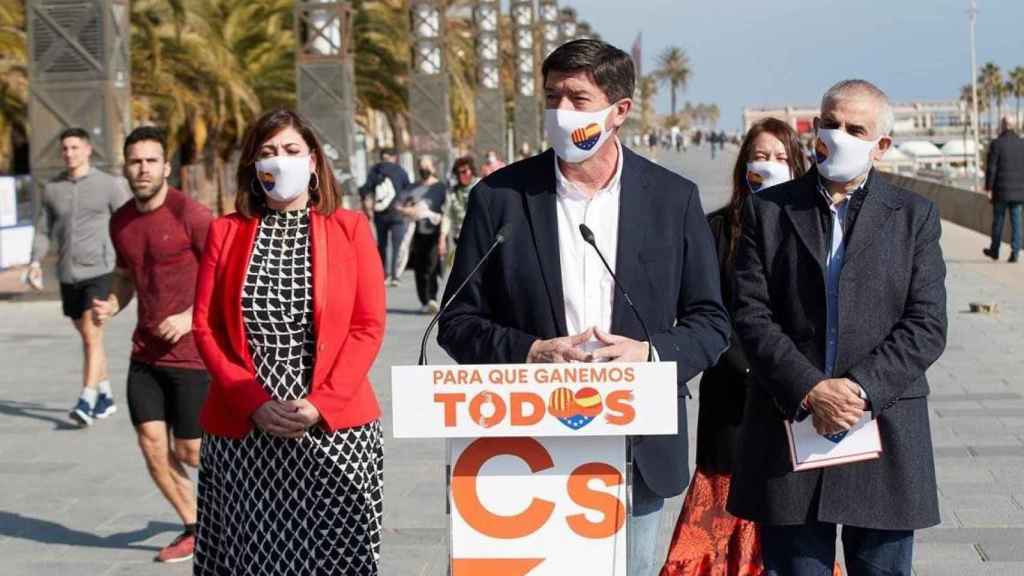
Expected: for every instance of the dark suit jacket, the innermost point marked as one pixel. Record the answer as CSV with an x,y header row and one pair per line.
x,y
1004,168
723,387
666,261
892,327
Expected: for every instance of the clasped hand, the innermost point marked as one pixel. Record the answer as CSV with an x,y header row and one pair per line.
x,y
286,419
567,349
836,405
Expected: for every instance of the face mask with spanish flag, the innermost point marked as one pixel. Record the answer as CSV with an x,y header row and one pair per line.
x,y
576,135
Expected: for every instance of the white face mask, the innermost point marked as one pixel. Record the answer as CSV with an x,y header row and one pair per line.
x,y
576,135
283,178
765,174
842,157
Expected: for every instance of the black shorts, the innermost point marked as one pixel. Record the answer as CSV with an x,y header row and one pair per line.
x,y
77,298
171,395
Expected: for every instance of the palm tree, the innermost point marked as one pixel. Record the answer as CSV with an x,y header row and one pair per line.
x,y
13,77
674,70
990,83
203,69
967,97
1016,87
647,88
460,52
713,114
382,61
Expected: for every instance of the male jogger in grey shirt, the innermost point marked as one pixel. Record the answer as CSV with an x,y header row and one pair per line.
x,y
75,211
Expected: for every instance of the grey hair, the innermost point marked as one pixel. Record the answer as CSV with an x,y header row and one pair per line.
x,y
1009,122
855,86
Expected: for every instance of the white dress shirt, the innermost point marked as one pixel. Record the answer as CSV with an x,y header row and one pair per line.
x,y
587,287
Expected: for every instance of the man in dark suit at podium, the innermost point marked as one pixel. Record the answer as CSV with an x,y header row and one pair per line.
x,y
545,296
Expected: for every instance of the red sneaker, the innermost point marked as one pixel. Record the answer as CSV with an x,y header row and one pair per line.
x,y
179,550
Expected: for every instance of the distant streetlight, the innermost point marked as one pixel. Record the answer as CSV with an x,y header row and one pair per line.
x,y
973,13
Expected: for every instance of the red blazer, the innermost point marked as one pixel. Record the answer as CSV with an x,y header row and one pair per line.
x,y
348,322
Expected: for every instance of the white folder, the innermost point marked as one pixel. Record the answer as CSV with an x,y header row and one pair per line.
x,y
808,449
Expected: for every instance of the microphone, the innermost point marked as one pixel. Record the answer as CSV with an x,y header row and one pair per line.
x,y
500,237
588,237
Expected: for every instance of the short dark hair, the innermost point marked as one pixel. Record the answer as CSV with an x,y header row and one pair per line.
x,y
610,68
146,134
387,152
464,161
74,132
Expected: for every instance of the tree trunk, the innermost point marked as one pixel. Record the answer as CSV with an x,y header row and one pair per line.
x,y
673,86
399,125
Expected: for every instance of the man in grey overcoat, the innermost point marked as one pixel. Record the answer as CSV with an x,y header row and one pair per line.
x,y
841,308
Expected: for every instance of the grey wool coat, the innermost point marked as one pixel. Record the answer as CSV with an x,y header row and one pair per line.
x,y
892,327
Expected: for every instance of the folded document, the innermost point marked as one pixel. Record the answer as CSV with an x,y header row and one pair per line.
x,y
808,449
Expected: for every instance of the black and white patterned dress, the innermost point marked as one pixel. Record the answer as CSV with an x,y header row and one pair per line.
x,y
271,506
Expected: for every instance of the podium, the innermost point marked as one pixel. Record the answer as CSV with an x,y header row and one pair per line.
x,y
538,469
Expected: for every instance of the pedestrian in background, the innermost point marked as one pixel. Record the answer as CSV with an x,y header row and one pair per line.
x,y
289,318
385,181
708,539
423,206
1004,184
457,199
840,305
159,238
75,209
491,164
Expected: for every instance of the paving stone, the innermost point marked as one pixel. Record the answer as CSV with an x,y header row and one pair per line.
x,y
967,569
992,517
945,553
1004,551
957,471
80,501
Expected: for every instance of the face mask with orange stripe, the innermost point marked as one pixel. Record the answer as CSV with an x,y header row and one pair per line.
x,y
576,135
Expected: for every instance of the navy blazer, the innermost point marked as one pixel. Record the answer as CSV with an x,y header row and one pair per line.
x,y
666,260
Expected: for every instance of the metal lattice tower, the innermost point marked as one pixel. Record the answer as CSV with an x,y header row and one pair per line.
x,y
79,76
324,78
429,110
527,104
550,30
567,24
583,30
490,100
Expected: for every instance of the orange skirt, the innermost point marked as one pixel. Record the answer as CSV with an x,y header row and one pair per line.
x,y
708,541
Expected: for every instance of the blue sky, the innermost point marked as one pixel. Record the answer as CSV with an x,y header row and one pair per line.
x,y
753,52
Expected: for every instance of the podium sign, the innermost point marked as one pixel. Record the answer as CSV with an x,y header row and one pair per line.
x,y
538,475
599,399
533,506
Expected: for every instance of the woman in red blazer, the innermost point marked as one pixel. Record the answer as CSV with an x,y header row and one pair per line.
x,y
289,317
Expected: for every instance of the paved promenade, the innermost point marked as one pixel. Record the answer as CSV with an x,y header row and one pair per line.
x,y
80,502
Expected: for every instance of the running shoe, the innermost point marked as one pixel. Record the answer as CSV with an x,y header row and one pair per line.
x,y
82,413
104,406
179,550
